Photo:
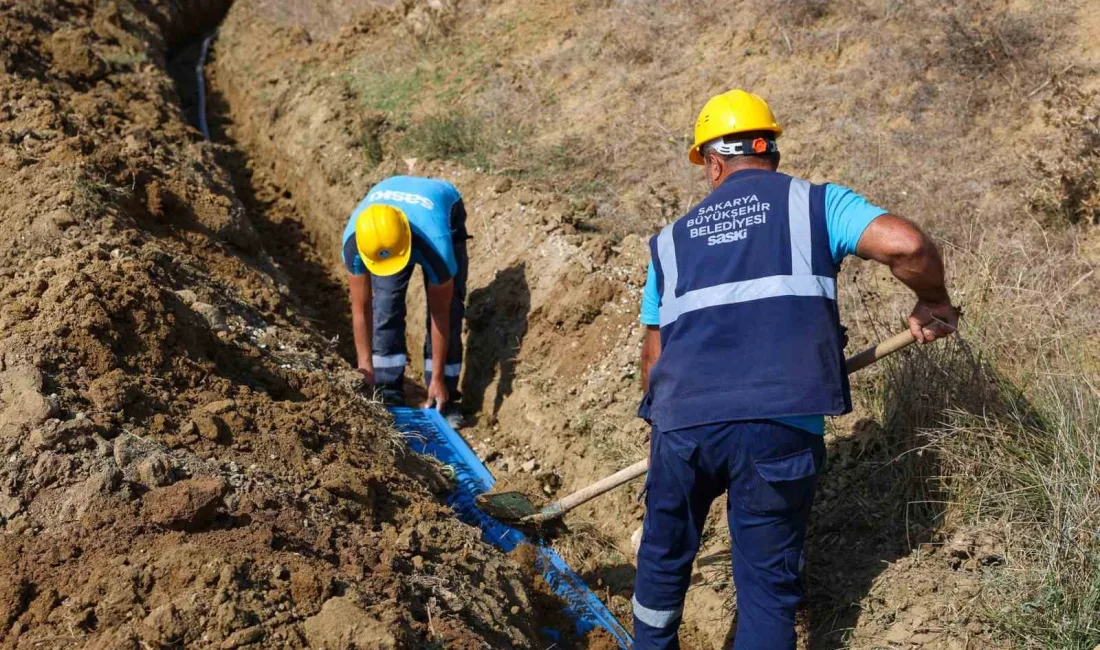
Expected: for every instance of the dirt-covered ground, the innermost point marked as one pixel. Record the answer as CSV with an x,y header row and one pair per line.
x,y
189,461
564,125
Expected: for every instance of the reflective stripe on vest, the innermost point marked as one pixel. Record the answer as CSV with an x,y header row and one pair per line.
x,y
801,282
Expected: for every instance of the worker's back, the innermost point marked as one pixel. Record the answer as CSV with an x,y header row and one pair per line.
x,y
749,324
435,213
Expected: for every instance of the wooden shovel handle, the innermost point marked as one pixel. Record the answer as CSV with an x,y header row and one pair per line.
x,y
565,504
873,354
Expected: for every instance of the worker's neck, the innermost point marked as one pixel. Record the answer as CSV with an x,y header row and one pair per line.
x,y
740,165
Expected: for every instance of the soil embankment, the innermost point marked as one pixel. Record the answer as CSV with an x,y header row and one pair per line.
x,y
552,120
187,461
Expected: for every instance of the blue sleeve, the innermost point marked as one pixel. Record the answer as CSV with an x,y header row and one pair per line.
x,y
352,262
650,300
847,215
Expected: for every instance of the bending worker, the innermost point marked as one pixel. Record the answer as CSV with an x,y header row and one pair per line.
x,y
402,222
743,358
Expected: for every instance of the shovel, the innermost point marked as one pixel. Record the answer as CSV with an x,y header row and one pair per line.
x,y
516,507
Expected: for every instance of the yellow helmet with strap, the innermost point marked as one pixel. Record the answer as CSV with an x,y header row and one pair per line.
x,y
383,238
731,112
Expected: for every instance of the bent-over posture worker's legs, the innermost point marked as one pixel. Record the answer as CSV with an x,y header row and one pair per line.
x,y
681,485
771,492
389,351
453,369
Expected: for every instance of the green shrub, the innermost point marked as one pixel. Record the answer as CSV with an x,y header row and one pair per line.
x,y
449,136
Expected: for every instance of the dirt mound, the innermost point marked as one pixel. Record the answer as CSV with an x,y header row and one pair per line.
x,y
564,126
187,462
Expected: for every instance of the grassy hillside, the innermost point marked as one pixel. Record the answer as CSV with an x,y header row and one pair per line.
x,y
960,506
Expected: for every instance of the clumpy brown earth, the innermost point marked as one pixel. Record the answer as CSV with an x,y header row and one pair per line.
x,y
186,460
564,125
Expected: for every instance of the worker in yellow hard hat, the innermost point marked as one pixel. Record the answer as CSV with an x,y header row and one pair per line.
x,y
406,221
742,360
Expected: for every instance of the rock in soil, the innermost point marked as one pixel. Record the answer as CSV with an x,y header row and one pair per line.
x,y
188,505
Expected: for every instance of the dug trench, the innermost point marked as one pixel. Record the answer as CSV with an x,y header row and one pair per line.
x,y
551,371
188,463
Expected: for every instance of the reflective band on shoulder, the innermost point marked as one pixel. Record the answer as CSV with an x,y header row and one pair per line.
x,y
389,360
731,293
798,209
449,370
656,617
801,282
666,252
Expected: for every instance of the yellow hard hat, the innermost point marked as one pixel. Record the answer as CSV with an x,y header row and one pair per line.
x,y
384,239
731,112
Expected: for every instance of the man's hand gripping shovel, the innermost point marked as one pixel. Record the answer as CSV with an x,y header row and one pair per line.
x,y
516,507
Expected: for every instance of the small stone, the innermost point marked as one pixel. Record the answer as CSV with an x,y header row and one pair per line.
x,y
10,506
209,426
418,562
220,407
514,610
128,449
244,637
529,466
187,296
214,316
156,470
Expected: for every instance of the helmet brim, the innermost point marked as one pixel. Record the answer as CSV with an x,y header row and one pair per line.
x,y
387,267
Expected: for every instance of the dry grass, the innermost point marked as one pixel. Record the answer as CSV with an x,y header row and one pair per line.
x,y
997,426
1070,194
1034,468
991,441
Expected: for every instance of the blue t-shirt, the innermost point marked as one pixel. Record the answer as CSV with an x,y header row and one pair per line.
x,y
434,208
847,215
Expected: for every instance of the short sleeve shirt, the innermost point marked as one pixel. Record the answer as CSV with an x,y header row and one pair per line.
x,y
431,206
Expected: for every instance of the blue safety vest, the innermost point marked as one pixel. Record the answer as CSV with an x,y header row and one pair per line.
x,y
748,313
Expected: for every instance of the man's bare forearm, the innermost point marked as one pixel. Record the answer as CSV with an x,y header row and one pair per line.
x,y
651,351
911,255
439,309
362,319
914,260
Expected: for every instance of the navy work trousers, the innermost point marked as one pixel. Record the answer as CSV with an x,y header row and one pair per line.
x,y
389,348
769,471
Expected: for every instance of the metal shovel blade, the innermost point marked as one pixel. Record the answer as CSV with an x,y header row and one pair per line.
x,y
506,506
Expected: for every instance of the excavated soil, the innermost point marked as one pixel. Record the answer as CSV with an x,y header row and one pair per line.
x,y
327,99
187,460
